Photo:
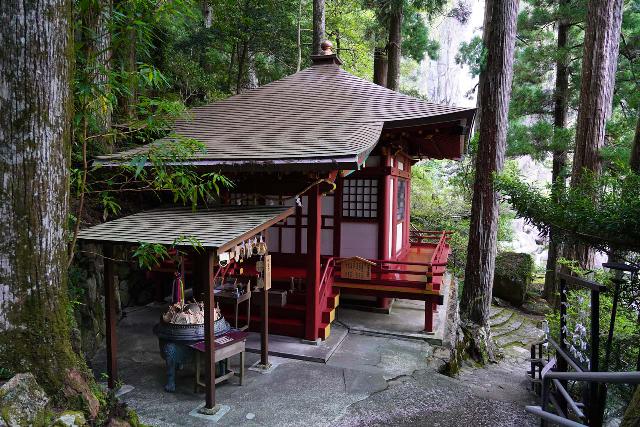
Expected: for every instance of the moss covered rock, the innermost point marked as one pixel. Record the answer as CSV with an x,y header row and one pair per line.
x,y
70,419
22,401
513,276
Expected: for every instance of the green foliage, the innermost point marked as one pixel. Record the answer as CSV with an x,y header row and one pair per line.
x,y
151,255
624,349
441,192
603,212
472,55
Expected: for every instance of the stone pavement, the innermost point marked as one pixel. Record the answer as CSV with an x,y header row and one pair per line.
x,y
368,380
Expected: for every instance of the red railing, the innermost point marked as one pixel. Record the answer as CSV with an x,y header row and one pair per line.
x,y
412,273
439,259
327,279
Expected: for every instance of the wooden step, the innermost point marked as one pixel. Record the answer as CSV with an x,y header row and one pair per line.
x,y
324,330
328,316
333,300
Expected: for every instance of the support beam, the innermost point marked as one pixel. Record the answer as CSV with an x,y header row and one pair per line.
x,y
264,336
209,337
314,222
110,313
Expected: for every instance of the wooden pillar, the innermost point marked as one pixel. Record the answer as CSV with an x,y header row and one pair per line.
x,y
264,336
337,217
428,315
314,222
110,313
209,336
383,213
394,221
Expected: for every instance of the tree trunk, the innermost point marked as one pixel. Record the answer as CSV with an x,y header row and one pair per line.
x,y
561,96
319,33
599,62
242,55
634,161
495,85
207,13
600,56
631,416
394,48
252,73
299,37
97,50
127,57
380,66
35,57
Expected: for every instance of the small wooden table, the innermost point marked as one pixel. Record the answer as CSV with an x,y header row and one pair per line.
x,y
224,296
227,345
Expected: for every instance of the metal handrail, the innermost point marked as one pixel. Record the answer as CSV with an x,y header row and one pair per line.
x,y
597,377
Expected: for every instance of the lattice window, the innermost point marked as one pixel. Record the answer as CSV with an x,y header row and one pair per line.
x,y
360,198
402,199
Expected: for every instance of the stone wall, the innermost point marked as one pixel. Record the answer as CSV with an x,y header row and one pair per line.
x,y
86,288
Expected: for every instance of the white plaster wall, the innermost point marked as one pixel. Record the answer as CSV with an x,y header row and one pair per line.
x,y
359,239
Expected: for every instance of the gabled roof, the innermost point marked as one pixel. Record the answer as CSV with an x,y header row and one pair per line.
x,y
318,115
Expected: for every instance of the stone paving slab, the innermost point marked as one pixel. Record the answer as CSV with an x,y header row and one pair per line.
x,y
406,319
368,380
294,348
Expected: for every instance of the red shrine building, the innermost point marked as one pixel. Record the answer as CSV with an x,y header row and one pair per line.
x,y
338,150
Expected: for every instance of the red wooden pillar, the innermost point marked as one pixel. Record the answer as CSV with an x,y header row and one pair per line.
x,y
407,217
110,313
337,217
209,336
394,216
384,218
314,222
383,213
428,315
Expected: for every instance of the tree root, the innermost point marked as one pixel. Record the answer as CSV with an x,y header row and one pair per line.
x,y
473,342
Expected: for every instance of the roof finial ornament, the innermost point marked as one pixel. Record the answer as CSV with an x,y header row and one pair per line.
x,y
326,47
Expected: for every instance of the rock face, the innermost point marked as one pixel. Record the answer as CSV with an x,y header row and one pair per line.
x,y
87,284
22,401
514,272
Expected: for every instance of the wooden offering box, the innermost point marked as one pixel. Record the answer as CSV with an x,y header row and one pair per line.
x,y
355,268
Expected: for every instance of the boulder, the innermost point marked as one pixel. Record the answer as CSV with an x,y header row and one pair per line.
x,y
76,386
117,422
513,275
70,419
22,401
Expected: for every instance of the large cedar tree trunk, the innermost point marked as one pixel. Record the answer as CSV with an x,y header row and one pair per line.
x,y
318,26
35,59
495,86
380,66
561,96
394,47
599,63
634,161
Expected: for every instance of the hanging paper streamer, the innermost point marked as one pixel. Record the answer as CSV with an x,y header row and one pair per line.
x,y
178,288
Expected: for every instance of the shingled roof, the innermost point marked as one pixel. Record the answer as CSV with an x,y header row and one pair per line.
x,y
322,114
